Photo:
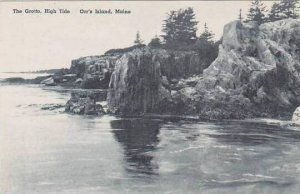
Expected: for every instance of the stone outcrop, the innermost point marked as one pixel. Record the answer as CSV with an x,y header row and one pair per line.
x,y
91,72
142,75
296,115
136,84
179,64
262,64
48,82
95,71
256,74
85,103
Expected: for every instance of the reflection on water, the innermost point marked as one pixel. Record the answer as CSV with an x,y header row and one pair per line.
x,y
138,138
43,151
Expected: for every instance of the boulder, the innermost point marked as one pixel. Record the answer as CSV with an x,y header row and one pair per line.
x,y
84,103
48,82
78,81
296,115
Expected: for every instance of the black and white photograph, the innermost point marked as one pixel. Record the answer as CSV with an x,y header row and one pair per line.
x,y
150,97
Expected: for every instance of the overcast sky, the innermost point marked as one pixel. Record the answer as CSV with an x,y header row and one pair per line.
x,y
41,41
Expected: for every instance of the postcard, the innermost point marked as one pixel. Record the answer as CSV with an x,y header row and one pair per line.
x,y
140,97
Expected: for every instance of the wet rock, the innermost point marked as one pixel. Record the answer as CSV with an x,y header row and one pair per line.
x,y
84,103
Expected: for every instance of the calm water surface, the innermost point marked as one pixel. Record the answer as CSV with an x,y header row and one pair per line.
x,y
48,151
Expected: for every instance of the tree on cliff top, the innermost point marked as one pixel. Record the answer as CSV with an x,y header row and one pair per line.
x,y
155,42
180,27
240,17
207,34
257,12
284,9
275,13
138,40
206,47
289,8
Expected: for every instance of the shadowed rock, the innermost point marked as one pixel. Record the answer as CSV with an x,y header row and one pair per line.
x,y
256,74
85,103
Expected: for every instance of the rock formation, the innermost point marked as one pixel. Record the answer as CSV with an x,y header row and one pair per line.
x,y
94,71
135,83
256,74
91,72
262,64
85,102
296,115
143,80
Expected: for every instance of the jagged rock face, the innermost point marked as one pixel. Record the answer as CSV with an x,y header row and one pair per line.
x,y
179,64
260,61
143,80
84,102
95,71
135,85
256,74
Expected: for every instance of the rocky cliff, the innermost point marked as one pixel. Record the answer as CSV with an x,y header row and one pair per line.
x,y
255,74
261,63
143,79
92,72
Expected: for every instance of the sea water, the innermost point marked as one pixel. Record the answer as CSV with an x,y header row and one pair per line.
x,y
49,151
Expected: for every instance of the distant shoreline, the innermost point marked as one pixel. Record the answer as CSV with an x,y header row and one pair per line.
x,y
50,71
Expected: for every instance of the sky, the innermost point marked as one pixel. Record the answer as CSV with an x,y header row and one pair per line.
x,y
31,42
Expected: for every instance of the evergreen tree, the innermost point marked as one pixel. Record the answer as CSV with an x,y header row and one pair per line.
x,y
257,12
284,9
180,27
138,40
274,14
206,47
207,34
240,16
289,8
169,27
155,42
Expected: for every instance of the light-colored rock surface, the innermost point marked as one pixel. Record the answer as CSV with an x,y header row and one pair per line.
x,y
262,62
256,74
48,82
296,115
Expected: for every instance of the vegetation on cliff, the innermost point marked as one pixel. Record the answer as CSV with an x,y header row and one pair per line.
x,y
252,72
280,10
